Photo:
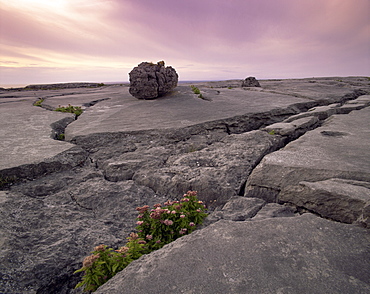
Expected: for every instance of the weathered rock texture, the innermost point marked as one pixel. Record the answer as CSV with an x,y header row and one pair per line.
x,y
326,170
70,196
304,254
149,80
251,82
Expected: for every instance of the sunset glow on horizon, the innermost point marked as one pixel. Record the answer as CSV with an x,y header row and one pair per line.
x,y
50,41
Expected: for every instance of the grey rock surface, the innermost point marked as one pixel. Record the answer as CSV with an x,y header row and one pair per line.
x,y
296,127
271,210
337,149
122,152
305,254
233,110
49,225
237,208
217,171
345,201
63,86
149,80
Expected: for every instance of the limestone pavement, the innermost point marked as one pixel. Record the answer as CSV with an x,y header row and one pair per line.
x,y
285,169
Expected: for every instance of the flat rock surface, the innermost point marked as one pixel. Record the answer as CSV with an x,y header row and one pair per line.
x,y
182,108
26,134
303,254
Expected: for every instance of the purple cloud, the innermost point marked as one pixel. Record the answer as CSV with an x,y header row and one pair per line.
x,y
220,39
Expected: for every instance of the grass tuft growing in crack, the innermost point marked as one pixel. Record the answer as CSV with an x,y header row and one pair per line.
x,y
39,102
77,110
61,137
156,228
195,89
7,181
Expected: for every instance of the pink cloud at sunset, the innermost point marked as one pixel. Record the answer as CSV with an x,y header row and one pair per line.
x,y
45,41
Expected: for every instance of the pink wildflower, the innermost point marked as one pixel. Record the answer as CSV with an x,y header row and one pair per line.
x,y
123,249
191,224
168,222
149,237
100,247
139,223
89,260
133,236
183,231
142,209
182,216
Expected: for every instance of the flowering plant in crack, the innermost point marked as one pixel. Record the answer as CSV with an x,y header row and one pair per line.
x,y
164,224
156,227
105,262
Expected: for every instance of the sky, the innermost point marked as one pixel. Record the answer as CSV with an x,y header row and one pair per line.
x,y
50,41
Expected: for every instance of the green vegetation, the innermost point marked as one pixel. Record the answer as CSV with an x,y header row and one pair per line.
x,y
77,110
39,102
229,87
156,227
61,137
101,85
195,89
6,181
272,132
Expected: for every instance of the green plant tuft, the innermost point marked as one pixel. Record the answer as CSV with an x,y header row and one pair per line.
x,y
6,181
272,132
77,110
156,228
61,137
39,102
195,89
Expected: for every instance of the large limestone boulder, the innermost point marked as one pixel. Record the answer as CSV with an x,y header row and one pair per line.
x,y
251,82
149,80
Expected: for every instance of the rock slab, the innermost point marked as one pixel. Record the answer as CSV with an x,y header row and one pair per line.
x,y
339,149
305,254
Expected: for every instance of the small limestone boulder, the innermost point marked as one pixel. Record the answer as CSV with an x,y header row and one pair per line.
x,y
251,82
149,80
